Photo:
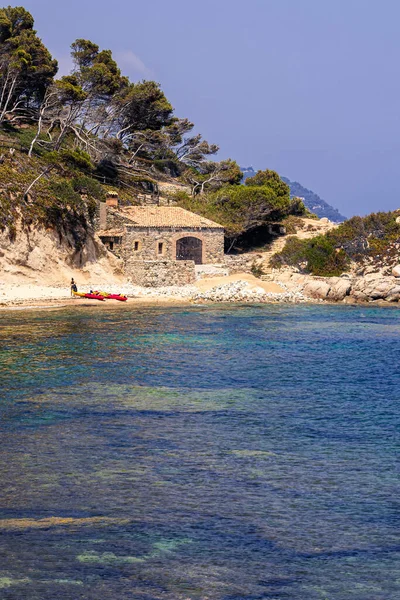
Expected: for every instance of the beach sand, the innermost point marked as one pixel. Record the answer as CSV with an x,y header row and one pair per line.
x,y
33,295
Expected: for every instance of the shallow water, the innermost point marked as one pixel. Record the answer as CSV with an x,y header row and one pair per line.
x,y
205,452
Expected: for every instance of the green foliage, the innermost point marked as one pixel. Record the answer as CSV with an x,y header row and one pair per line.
x,y
86,185
95,71
271,179
71,92
239,208
317,255
324,259
13,21
298,208
65,194
77,158
55,201
366,236
23,137
180,197
143,106
257,270
213,175
26,66
357,239
169,166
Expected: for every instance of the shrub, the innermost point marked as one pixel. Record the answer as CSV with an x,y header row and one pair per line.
x,y
292,224
82,183
293,253
65,193
324,259
77,159
256,270
317,255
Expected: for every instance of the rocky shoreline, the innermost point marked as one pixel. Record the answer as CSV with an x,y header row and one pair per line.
x,y
286,287
370,287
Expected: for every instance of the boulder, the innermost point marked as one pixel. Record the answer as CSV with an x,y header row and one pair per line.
x,y
393,294
372,287
396,270
317,289
339,290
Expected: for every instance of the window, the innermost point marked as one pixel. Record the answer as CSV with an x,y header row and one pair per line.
x,y
136,246
160,247
111,245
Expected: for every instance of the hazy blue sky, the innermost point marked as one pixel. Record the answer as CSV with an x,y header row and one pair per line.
x,y
310,88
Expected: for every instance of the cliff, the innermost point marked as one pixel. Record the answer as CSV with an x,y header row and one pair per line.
x,y
41,256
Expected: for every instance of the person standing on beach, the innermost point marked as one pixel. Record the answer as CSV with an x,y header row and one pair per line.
x,y
73,287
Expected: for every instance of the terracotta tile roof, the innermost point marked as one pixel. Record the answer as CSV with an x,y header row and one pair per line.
x,y
110,232
166,216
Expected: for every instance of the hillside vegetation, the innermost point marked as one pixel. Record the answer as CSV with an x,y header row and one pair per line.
x,y
368,241
312,201
65,141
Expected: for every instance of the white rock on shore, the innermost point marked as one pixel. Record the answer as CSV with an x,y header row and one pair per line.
x,y
368,288
241,291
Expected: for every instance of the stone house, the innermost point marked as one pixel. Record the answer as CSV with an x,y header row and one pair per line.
x,y
159,245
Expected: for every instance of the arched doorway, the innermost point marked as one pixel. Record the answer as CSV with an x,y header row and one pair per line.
x,y
190,248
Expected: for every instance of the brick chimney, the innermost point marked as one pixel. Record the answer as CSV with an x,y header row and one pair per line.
x,y
112,199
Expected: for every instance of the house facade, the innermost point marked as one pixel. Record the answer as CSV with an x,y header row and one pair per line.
x,y
159,245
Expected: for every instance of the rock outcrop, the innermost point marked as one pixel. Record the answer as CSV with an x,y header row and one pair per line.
x,y
43,256
368,288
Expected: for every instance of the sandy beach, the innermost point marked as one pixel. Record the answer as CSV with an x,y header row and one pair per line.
x,y
35,295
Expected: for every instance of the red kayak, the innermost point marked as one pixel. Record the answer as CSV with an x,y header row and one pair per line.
x,y
119,297
90,296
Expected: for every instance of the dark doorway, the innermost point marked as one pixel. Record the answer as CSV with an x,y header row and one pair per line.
x,y
190,248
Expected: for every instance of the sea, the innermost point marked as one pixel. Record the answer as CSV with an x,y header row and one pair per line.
x,y
204,452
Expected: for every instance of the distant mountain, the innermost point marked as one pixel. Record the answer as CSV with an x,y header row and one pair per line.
x,y
247,172
312,201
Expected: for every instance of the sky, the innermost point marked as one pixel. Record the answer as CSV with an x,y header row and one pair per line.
x,y
309,88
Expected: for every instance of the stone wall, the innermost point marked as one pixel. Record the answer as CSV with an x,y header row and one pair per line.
x,y
148,240
160,273
240,263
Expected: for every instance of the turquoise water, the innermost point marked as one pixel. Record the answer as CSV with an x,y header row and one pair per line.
x,y
200,453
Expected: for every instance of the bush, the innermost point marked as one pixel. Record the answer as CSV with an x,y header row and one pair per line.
x,y
293,254
324,259
84,184
317,255
256,270
357,239
64,193
297,207
366,236
292,224
77,159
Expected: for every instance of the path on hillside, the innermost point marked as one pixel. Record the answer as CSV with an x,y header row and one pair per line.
x,y
311,229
